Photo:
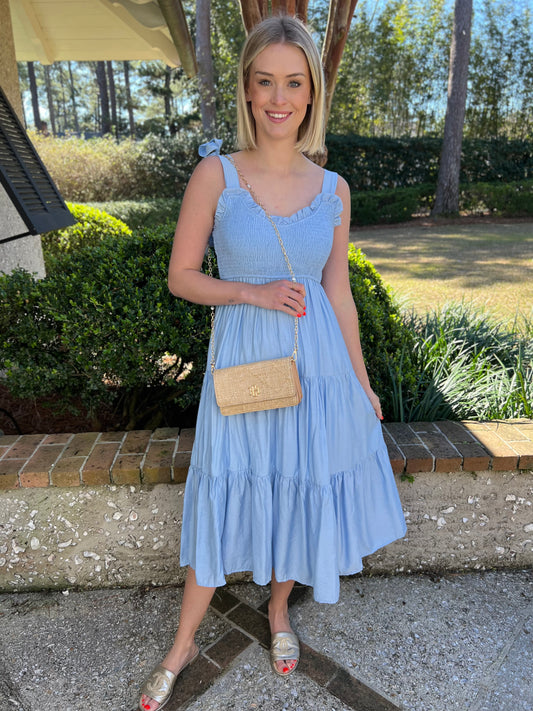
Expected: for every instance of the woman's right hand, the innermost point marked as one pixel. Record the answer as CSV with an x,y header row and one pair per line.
x,y
282,295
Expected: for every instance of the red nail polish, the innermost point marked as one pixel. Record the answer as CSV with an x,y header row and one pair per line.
x,y
299,315
285,670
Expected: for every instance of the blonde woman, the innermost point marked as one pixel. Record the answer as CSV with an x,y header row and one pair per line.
x,y
296,493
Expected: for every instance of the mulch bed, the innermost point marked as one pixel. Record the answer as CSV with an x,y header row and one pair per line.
x,y
43,416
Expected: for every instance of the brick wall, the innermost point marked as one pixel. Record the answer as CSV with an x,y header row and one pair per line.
x,y
104,509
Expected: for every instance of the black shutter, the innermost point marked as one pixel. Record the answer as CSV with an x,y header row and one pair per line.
x,y
26,180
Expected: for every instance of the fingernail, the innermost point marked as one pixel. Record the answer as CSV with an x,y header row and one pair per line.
x,y
381,418
299,315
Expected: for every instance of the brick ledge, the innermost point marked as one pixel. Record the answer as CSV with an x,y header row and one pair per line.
x,y
163,455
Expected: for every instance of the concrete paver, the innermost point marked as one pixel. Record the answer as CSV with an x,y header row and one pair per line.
x,y
460,642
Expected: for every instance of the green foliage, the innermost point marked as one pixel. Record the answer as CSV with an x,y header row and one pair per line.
x,y
143,213
386,341
468,367
383,163
227,38
394,69
102,169
390,206
401,204
500,74
91,227
103,327
506,199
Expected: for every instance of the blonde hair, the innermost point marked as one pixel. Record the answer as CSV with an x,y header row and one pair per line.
x,y
282,29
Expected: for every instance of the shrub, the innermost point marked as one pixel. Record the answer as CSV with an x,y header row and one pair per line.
x,y
145,213
382,163
93,169
506,199
101,169
386,341
390,206
92,227
103,327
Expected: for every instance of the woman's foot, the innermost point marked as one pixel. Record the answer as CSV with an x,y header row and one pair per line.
x,y
175,661
279,622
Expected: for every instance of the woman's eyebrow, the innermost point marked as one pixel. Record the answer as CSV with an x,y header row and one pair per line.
x,y
268,74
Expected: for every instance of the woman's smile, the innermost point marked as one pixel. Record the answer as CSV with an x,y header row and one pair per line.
x,y
278,117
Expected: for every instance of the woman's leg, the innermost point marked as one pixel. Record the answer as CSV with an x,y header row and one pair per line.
x,y
196,599
278,614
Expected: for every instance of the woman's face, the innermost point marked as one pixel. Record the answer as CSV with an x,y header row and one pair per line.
x,y
279,91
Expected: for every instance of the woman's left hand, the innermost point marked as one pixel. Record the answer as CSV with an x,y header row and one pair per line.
x,y
374,401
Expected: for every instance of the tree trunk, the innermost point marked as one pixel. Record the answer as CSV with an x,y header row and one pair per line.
x,y
73,100
112,96
63,105
339,19
447,196
34,96
50,98
251,12
206,75
104,97
167,95
129,102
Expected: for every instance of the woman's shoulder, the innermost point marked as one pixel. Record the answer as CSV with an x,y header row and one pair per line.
x,y
208,176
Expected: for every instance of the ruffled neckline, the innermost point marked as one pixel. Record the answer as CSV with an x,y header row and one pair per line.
x,y
300,214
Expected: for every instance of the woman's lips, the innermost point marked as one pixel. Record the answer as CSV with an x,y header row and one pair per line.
x,y
278,116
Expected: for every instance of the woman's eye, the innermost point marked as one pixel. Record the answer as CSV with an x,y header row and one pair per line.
x,y
264,82
295,84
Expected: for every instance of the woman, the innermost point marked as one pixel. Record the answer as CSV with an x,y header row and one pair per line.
x,y
297,493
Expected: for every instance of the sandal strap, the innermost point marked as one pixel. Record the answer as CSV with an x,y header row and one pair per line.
x,y
284,645
159,684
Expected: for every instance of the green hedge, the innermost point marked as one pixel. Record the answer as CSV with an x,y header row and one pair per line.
x,y
91,227
139,214
401,204
102,328
386,341
385,163
508,200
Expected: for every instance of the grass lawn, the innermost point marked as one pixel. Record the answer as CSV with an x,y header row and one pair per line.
x,y
427,264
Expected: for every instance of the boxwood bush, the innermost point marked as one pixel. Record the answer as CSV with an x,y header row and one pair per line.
x,y
139,214
386,341
102,328
91,227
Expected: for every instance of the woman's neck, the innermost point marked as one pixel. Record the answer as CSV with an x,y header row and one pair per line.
x,y
279,158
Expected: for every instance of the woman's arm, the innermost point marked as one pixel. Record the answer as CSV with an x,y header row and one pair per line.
x,y
195,224
336,283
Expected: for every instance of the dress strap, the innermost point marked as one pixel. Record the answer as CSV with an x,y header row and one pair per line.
x,y
230,173
329,184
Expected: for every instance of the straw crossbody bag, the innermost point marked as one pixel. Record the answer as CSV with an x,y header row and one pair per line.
x,y
265,384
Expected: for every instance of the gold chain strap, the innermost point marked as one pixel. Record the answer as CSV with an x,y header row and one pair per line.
x,y
285,255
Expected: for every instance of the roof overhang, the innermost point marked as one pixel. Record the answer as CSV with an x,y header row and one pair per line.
x,y
90,30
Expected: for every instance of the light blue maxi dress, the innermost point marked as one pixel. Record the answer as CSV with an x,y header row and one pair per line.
x,y
306,490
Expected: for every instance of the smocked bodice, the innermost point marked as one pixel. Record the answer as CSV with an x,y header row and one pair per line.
x,y
246,243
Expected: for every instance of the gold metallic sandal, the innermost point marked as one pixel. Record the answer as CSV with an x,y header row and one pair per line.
x,y
284,645
160,684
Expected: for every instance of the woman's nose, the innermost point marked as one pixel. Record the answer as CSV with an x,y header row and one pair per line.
x,y
279,95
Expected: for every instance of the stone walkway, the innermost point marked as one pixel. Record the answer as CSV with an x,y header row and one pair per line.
x,y
460,642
